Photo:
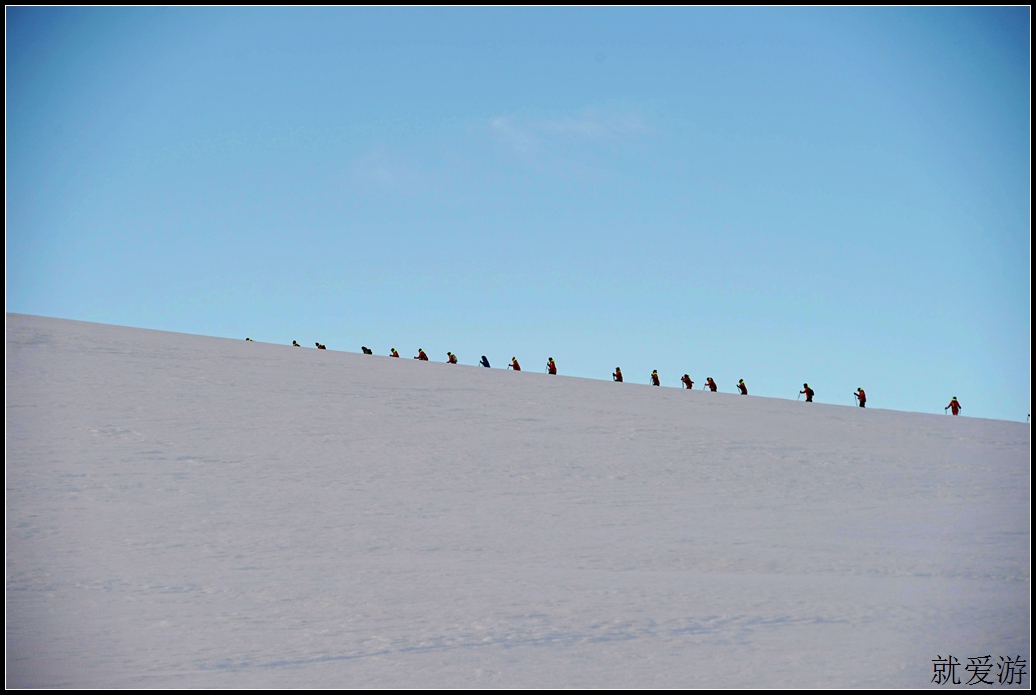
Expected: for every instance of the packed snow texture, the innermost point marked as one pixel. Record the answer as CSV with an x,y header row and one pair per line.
x,y
187,511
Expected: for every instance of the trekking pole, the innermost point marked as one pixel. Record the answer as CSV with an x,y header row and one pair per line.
x,y
798,396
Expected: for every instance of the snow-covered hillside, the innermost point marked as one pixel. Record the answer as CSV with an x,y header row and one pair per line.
x,y
186,511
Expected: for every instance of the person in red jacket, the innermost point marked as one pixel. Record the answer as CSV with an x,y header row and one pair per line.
x,y
808,391
451,358
861,397
954,406
687,382
393,353
514,365
421,356
742,388
551,367
711,384
654,378
617,376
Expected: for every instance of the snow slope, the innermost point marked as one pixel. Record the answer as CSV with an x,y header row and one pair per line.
x,y
186,511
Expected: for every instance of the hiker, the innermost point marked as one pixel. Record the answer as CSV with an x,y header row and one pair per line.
x,y
617,376
551,367
954,406
654,378
808,391
393,353
687,383
421,356
295,343
861,397
321,347
484,362
514,365
711,385
366,350
451,358
742,388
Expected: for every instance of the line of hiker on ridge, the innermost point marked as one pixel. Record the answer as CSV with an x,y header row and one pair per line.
x,y
552,368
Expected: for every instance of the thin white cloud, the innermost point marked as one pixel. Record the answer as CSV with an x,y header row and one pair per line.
x,y
593,125
373,167
529,137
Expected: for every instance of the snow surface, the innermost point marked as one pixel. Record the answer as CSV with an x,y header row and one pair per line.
x,y
187,511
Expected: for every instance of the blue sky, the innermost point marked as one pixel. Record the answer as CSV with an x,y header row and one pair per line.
x,y
780,195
